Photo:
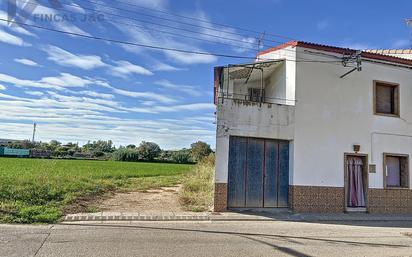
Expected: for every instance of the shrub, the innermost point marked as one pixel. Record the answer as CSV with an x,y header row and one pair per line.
x,y
181,157
200,150
197,187
125,155
148,151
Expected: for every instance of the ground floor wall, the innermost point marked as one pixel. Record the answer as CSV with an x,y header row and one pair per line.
x,y
318,199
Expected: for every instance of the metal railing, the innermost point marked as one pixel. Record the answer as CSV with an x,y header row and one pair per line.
x,y
222,96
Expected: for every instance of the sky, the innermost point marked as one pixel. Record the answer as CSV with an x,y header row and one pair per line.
x,y
78,89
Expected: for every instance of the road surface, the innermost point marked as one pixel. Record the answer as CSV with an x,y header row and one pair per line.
x,y
229,238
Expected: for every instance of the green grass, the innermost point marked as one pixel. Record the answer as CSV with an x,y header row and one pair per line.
x,y
197,186
35,190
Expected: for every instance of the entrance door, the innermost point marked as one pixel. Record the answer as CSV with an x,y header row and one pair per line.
x,y
258,173
356,182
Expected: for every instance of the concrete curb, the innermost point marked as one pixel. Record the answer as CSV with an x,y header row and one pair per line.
x,y
101,217
86,217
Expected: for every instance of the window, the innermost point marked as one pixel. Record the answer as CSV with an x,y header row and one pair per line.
x,y
386,98
256,95
396,171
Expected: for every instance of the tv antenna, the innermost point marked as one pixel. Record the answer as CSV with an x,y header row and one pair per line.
x,y
409,24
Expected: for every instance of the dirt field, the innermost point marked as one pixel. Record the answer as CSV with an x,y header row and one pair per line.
x,y
164,199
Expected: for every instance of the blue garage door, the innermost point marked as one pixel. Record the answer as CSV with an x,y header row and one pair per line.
x,y
258,173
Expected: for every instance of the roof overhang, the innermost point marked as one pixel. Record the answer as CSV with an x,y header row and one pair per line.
x,y
339,50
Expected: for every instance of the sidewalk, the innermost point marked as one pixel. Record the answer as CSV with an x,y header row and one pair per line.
x,y
233,216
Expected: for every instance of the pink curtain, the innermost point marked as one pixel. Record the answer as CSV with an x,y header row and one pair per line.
x,y
356,196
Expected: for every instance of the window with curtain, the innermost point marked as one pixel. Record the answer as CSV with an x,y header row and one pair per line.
x,y
397,171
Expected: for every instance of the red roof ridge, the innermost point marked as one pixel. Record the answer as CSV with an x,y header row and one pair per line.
x,y
370,54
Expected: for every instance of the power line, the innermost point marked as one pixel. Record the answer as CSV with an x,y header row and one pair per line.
x,y
172,20
148,22
165,32
158,24
149,46
202,20
111,14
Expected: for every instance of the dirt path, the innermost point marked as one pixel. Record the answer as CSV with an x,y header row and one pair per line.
x,y
164,199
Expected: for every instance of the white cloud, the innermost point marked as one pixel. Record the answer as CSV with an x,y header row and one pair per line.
x,y
190,90
144,95
65,58
125,68
35,93
18,29
26,62
60,82
41,11
11,39
157,39
66,80
166,67
95,94
188,58
2,87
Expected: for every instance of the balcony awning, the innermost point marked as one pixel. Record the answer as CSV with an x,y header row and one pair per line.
x,y
253,71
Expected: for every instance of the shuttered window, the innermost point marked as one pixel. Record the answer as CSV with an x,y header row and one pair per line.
x,y
396,170
386,98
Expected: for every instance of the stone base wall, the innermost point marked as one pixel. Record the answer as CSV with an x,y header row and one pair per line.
x,y
390,201
316,199
332,199
220,197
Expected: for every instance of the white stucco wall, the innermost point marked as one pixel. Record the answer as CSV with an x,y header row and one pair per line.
x,y
329,116
289,70
332,114
242,118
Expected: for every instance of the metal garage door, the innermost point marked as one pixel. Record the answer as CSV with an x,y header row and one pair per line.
x,y
258,173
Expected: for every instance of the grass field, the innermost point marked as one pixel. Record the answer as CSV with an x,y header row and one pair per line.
x,y
35,190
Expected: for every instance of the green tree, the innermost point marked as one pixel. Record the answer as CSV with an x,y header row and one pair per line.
x,y
199,150
181,156
125,155
148,151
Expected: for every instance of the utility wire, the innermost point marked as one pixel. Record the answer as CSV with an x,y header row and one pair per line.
x,y
203,20
158,24
147,22
132,24
149,46
171,20
163,31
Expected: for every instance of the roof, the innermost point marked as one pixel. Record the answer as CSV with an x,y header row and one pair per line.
x,y
389,51
380,55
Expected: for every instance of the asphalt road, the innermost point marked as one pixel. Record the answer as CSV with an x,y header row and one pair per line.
x,y
263,238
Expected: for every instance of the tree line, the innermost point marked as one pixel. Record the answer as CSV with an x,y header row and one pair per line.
x,y
105,150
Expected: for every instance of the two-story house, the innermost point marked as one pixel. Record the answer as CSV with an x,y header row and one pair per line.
x,y
315,128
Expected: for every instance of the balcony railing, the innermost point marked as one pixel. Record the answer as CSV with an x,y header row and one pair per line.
x,y
255,99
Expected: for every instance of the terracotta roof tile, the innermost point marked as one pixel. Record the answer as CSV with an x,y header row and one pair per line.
x,y
370,54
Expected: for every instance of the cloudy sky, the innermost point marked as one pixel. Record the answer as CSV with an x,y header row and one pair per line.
x,y
78,89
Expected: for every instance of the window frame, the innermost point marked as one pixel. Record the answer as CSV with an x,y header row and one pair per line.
x,y
385,186
397,98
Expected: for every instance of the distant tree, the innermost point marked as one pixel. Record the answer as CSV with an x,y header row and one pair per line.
x,y
148,151
99,146
125,155
199,150
131,146
181,156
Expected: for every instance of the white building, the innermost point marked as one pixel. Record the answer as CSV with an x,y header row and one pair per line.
x,y
293,132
